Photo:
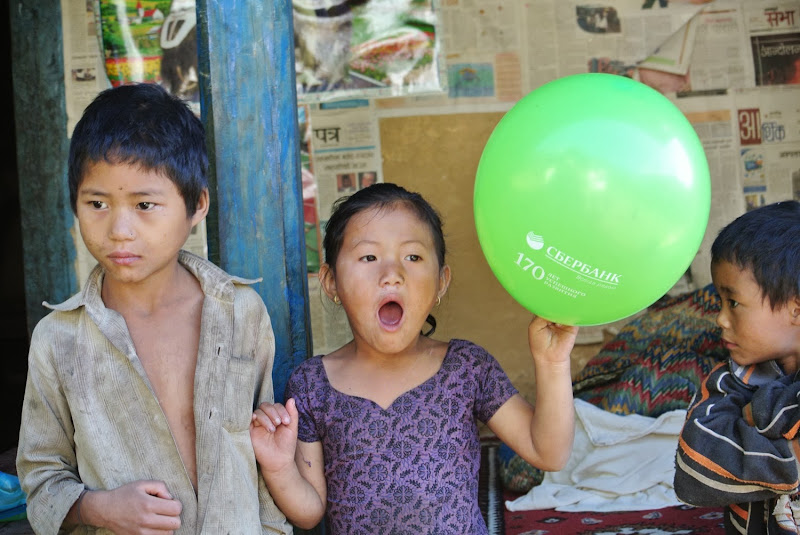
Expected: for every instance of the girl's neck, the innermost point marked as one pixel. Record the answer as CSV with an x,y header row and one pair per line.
x,y
422,348
381,377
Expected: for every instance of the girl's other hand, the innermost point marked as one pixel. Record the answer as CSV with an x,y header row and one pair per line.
x,y
273,432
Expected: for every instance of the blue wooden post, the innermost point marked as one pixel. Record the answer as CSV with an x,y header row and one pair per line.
x,y
248,97
42,149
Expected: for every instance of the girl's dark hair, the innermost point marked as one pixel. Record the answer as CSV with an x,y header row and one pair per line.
x,y
765,241
381,195
142,125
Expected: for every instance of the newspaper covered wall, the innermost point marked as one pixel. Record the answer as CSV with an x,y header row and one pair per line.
x,y
732,66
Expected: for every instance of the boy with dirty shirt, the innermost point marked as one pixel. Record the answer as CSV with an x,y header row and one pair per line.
x,y
141,387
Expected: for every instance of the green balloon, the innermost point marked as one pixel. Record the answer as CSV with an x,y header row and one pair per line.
x,y
591,199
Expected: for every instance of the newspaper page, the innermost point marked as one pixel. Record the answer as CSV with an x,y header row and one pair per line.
x,y
751,138
329,327
345,149
720,56
674,54
345,156
484,67
83,65
498,51
714,120
483,42
735,44
774,32
484,70
570,37
84,78
769,140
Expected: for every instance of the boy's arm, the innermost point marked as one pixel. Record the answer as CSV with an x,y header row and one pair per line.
x,y
775,409
46,460
721,458
48,468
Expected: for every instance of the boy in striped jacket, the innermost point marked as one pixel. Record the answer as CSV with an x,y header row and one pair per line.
x,y
739,446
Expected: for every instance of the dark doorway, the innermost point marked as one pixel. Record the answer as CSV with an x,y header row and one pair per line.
x,y
13,323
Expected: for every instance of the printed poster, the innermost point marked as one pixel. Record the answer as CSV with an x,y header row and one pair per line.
x,y
152,41
347,48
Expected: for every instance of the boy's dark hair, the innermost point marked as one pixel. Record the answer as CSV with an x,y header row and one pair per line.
x,y
141,125
765,241
381,195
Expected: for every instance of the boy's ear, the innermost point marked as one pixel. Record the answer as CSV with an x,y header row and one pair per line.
x,y
794,310
202,207
327,281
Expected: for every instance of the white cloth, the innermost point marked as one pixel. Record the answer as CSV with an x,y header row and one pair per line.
x,y
618,463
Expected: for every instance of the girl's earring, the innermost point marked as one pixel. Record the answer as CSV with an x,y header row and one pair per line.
x,y
336,300
438,300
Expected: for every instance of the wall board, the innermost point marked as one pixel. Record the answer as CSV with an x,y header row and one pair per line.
x,y
437,156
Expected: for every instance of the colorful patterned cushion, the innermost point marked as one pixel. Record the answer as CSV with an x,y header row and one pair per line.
x,y
654,365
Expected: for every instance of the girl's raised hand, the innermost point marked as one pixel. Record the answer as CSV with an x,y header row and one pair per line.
x,y
273,432
551,342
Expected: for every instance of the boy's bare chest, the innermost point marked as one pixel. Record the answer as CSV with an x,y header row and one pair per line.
x,y
167,348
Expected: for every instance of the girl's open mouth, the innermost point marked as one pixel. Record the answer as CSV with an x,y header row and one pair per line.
x,y
390,313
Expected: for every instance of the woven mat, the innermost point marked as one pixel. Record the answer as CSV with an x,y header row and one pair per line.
x,y
683,520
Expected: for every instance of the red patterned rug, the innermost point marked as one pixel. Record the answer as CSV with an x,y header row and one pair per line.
x,y
684,520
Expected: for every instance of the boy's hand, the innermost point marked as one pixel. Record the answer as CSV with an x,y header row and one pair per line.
x,y
141,507
551,342
273,431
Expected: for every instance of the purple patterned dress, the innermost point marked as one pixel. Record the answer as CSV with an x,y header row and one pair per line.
x,y
412,468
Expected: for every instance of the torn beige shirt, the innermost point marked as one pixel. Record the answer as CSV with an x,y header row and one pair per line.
x,y
90,418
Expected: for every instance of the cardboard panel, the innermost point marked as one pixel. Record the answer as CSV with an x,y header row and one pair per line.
x,y
437,156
